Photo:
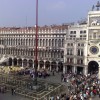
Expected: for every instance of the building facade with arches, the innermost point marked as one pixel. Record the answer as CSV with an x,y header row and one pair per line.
x,y
18,46
82,46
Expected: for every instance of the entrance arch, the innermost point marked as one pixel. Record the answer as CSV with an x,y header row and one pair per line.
x,y
93,67
35,64
10,61
53,65
60,66
47,64
30,63
69,68
15,61
25,63
19,62
79,70
41,63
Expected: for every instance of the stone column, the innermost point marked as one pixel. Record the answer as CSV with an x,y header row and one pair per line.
x,y
74,69
12,62
17,63
50,65
38,65
99,73
27,63
85,70
33,64
57,66
44,65
65,69
22,62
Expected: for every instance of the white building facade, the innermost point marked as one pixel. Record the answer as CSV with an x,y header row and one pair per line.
x,y
18,46
82,46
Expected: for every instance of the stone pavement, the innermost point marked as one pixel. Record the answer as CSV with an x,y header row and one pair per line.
x,y
8,96
54,79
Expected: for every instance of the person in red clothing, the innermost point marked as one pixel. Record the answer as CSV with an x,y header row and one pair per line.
x,y
94,91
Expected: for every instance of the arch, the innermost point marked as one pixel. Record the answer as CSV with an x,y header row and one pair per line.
x,y
20,62
79,70
55,42
52,42
53,65
30,63
69,68
24,62
59,43
29,42
26,42
15,61
93,67
60,66
49,42
43,42
35,64
41,63
40,42
46,42
21,42
10,62
47,64
62,43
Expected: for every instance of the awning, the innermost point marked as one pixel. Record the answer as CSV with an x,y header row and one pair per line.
x,y
3,59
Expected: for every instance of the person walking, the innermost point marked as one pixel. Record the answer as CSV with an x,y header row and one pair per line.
x,y
12,91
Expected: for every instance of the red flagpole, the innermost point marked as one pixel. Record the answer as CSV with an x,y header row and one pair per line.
x,y
36,40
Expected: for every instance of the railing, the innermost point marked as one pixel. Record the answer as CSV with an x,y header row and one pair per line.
x,y
21,87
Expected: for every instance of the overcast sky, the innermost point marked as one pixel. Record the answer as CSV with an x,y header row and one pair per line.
x,y
22,12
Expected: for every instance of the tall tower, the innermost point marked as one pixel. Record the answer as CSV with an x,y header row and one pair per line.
x,y
93,56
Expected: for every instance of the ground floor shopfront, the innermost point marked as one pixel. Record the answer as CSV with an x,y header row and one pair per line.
x,y
41,64
93,67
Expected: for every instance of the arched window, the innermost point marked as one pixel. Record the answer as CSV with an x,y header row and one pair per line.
x,y
49,42
55,42
62,42
78,52
52,42
59,43
43,42
46,42
29,42
40,42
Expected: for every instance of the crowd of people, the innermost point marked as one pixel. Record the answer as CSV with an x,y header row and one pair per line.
x,y
80,87
43,73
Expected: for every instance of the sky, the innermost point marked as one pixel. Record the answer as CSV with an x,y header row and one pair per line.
x,y
21,13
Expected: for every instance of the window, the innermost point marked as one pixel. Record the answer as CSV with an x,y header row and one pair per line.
x,y
82,44
81,52
68,51
82,31
71,32
78,44
68,44
74,32
71,44
94,35
78,52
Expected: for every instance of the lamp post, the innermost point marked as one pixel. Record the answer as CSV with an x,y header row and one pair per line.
x,y
36,45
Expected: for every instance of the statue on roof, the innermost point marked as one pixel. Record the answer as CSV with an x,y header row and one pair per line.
x,y
93,7
98,5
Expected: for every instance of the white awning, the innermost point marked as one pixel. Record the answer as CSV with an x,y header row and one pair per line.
x,y
3,59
